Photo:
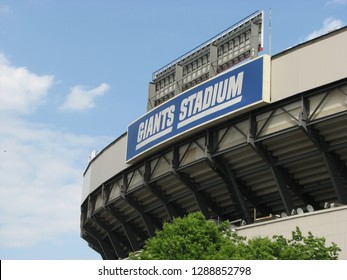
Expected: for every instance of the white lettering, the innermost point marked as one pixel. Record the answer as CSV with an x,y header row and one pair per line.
x,y
215,97
198,102
149,131
235,86
191,100
171,116
222,91
156,124
140,132
183,113
207,98
221,95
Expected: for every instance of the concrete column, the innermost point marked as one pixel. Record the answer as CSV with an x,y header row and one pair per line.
x,y
213,60
254,40
151,96
178,79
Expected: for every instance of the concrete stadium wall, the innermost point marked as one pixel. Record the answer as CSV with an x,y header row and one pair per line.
x,y
313,64
109,162
330,223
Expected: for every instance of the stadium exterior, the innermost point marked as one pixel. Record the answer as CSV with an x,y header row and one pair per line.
x,y
262,143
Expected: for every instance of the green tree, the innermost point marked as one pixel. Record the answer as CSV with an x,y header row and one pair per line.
x,y
301,247
195,238
188,238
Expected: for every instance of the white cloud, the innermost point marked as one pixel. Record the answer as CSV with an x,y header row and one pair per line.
x,y
80,98
4,9
21,91
329,24
41,166
41,182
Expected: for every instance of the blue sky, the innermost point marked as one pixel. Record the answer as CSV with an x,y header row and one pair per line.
x,y
74,74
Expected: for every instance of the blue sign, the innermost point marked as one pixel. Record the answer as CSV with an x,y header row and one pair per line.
x,y
216,98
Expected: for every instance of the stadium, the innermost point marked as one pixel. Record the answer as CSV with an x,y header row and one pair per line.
x,y
255,139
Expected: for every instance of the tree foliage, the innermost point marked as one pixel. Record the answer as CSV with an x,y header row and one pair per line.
x,y
195,238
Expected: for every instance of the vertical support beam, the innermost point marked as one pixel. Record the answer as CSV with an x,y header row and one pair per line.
x,y
90,207
178,79
131,237
94,244
148,221
283,190
226,173
149,224
128,229
105,249
254,40
213,60
212,143
116,244
283,180
234,188
200,200
198,197
203,203
171,209
336,168
151,96
335,177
